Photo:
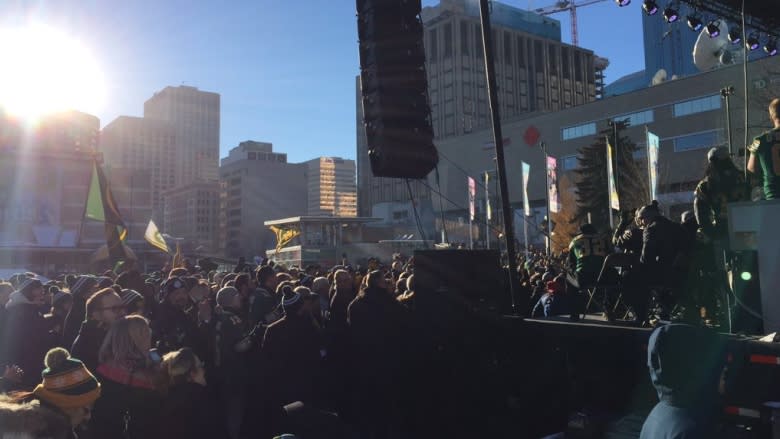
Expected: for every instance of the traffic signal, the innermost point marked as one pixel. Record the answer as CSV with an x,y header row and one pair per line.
x,y
394,86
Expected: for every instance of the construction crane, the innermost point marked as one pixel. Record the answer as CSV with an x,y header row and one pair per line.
x,y
571,6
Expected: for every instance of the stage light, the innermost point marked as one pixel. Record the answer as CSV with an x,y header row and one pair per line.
x,y
771,47
746,276
713,28
671,14
735,35
752,42
650,7
622,3
695,23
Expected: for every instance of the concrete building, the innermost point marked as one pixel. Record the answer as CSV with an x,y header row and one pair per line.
x,y
332,190
143,144
687,114
195,117
192,214
257,185
535,72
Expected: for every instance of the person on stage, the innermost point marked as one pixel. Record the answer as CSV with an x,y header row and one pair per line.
x,y
765,152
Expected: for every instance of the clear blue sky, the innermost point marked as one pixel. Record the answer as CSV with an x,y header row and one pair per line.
x,y
285,69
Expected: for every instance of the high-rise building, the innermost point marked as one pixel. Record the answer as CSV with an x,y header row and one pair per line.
x,y
535,71
195,117
332,189
192,214
257,185
145,145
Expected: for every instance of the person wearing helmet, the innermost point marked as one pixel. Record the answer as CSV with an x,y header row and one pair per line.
x,y
765,153
722,184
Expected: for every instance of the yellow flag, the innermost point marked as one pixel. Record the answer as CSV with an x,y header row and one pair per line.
x,y
155,238
284,235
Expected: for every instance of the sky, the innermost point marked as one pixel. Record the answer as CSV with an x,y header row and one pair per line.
x,y
285,70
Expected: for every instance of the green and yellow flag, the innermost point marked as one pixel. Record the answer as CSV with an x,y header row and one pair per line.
x,y
102,207
284,235
155,238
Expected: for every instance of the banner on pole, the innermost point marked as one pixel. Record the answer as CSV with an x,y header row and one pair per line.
x,y
526,170
552,181
614,202
653,144
472,198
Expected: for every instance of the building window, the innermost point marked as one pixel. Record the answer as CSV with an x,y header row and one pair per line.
x,y
507,48
569,162
565,64
583,130
699,105
538,56
703,140
464,37
521,52
448,40
638,118
478,39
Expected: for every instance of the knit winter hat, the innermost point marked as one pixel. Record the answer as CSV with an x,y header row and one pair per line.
x,y
28,285
225,295
67,383
83,285
290,298
129,296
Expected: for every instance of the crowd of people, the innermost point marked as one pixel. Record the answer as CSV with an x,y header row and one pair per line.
x,y
185,352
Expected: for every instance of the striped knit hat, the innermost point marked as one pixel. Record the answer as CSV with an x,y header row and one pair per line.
x,y
129,296
67,383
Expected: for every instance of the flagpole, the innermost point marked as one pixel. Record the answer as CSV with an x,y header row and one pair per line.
x,y
547,195
609,194
487,211
649,165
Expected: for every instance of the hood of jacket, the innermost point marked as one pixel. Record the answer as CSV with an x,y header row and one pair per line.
x,y
685,364
31,420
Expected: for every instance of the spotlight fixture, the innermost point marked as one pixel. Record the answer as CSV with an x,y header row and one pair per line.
x,y
752,42
771,47
735,35
650,7
695,23
671,14
713,28
622,3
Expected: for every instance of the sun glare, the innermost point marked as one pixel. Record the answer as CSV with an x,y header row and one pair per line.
x,y
45,71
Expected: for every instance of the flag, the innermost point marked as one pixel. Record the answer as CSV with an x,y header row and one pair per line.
x,y
526,171
552,182
284,235
178,259
472,197
102,207
488,210
155,238
653,144
614,202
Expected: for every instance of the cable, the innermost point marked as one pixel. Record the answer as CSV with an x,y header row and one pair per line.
x,y
416,214
744,74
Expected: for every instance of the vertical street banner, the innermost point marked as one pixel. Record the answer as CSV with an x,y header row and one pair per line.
x,y
488,209
526,171
472,198
653,144
552,181
614,202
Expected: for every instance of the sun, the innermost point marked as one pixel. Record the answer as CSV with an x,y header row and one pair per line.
x,y
46,71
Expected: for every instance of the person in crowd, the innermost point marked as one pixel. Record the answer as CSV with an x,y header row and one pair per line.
x,y
187,406
263,303
230,358
372,316
172,327
763,154
133,302
103,309
245,286
321,287
61,302
688,396
343,294
131,403
64,398
26,335
83,288
292,348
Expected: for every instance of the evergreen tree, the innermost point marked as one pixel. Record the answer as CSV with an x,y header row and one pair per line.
x,y
591,177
